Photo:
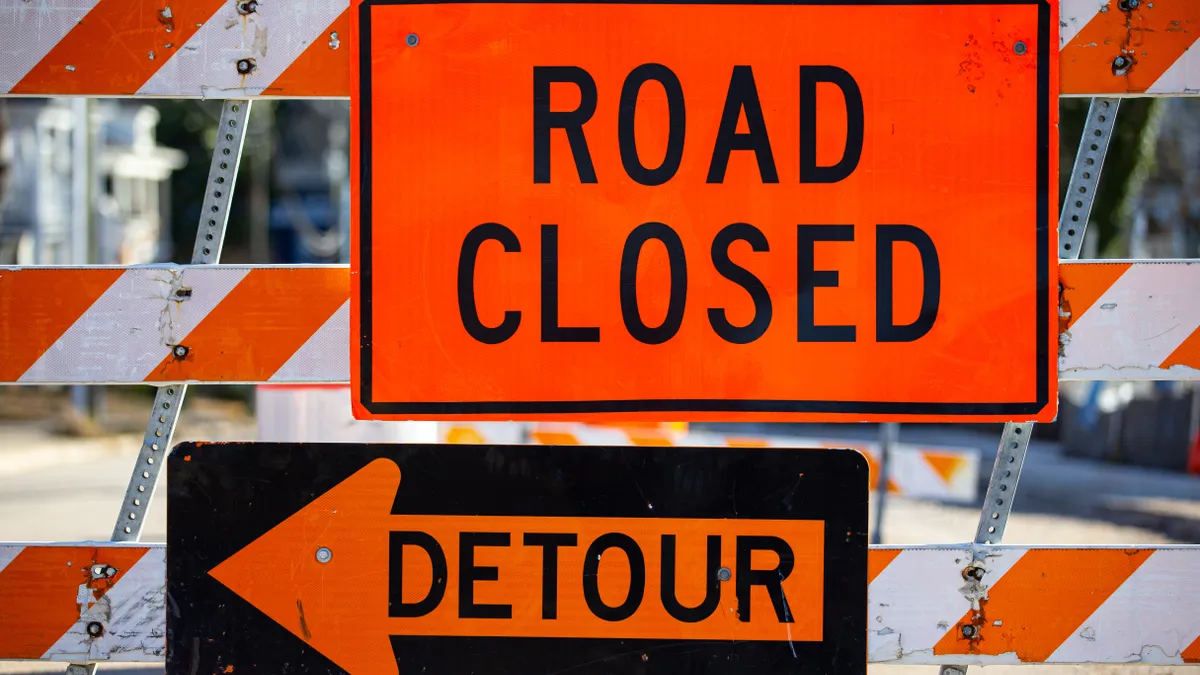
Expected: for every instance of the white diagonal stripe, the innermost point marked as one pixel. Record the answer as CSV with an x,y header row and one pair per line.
x,y
7,553
137,607
325,356
1073,15
911,605
1183,77
128,330
30,29
273,36
1151,617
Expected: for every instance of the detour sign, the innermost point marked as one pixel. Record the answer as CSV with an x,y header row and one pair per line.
x,y
705,211
499,559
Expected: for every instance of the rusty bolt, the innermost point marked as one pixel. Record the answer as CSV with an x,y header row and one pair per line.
x,y
95,628
724,574
973,573
245,66
412,40
180,351
1020,48
969,631
247,7
1120,65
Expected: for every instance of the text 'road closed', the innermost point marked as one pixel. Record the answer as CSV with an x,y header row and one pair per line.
x,y
693,214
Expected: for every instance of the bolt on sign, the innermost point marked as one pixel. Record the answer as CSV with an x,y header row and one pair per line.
x,y
705,210
372,559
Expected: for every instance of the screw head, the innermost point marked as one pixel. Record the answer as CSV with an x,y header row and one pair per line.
x,y
724,574
324,555
180,351
110,571
245,65
968,631
1020,48
95,628
412,40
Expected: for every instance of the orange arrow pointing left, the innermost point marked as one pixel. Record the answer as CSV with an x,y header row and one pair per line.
x,y
344,573
279,572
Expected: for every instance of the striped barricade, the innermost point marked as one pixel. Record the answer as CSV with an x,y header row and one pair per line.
x,y
247,324
927,605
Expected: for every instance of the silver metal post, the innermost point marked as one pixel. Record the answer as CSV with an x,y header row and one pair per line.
x,y
889,434
1072,224
210,237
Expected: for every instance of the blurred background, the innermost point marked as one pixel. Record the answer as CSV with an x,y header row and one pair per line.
x,y
120,182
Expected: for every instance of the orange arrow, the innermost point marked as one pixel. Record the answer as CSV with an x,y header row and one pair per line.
x,y
341,605
280,575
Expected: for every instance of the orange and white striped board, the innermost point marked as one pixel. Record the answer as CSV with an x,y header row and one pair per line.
x,y
1130,320
246,324
301,48
927,605
916,471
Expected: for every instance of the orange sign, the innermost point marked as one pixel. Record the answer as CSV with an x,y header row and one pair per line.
x,y
484,545
705,211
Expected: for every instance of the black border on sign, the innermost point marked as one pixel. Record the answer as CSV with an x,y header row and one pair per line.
x,y
709,405
221,497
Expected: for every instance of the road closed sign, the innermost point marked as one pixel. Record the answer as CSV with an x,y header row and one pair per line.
x,y
384,559
705,211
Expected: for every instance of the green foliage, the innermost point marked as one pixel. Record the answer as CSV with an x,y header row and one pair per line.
x,y
1125,152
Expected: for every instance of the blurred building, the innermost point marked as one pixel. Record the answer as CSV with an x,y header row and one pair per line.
x,y
310,205
76,195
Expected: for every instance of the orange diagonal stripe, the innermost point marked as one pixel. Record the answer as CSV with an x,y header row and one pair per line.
x,y
1192,653
1083,285
736,442
1187,353
878,560
320,70
946,465
1155,35
37,306
259,325
117,47
1042,600
554,438
38,590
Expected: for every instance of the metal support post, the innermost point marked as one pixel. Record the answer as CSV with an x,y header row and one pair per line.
x,y
210,237
1072,224
889,435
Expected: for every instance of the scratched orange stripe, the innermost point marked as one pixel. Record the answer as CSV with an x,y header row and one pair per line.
x,y
319,70
38,591
259,325
1041,601
117,47
1084,284
1155,36
37,306
1186,354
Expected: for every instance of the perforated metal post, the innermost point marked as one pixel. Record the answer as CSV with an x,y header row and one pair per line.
x,y
1072,224
210,237
889,434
